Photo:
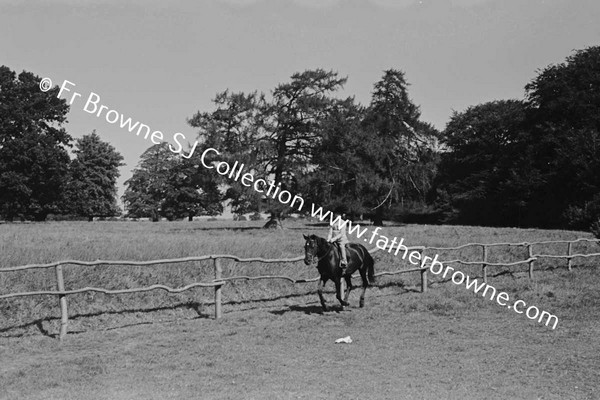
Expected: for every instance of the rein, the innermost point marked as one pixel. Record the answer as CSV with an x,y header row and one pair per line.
x,y
331,246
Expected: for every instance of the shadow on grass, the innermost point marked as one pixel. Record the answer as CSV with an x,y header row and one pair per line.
x,y
258,303
513,274
314,309
401,285
197,307
479,278
38,323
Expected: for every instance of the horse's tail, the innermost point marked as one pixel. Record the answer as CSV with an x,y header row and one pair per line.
x,y
370,264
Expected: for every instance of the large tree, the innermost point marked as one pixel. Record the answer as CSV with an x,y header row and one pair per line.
x,y
275,137
487,177
532,163
564,118
165,184
33,158
147,187
340,177
403,156
236,128
93,174
379,160
191,190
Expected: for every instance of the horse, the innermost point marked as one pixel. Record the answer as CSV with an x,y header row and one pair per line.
x,y
328,260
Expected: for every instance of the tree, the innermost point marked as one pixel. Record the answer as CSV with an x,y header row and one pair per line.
x,y
165,184
236,129
147,187
191,190
277,137
403,150
340,175
564,118
487,177
33,158
568,93
370,160
93,177
533,162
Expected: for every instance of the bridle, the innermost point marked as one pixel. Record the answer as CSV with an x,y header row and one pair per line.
x,y
331,246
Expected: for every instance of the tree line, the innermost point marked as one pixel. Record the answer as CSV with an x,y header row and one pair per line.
x,y
37,175
514,162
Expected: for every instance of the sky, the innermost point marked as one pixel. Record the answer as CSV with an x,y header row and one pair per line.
x,y
159,62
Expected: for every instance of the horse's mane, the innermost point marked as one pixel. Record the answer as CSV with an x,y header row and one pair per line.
x,y
320,241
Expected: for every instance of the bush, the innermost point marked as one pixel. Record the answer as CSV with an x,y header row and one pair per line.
x,y
65,217
581,217
255,217
595,228
422,215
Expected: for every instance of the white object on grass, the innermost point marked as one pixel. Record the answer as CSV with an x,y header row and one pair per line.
x,y
346,339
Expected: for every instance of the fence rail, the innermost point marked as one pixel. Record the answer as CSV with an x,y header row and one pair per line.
x,y
219,281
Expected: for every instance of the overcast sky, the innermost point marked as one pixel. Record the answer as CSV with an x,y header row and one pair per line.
x,y
161,61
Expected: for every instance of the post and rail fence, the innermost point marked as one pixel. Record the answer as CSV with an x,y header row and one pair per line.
x,y
219,281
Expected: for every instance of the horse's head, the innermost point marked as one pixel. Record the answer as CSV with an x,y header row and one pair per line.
x,y
310,249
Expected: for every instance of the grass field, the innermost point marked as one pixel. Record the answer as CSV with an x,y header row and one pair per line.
x,y
273,341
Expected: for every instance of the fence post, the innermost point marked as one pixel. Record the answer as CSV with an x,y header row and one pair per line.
x,y
569,252
423,274
484,264
62,299
218,273
530,251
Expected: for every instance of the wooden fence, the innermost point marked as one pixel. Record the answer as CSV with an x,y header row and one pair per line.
x,y
219,281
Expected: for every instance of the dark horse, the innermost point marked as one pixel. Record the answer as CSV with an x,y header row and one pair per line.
x,y
328,260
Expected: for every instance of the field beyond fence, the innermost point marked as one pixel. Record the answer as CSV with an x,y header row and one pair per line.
x,y
30,289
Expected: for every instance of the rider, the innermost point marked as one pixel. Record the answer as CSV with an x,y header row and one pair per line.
x,y
337,233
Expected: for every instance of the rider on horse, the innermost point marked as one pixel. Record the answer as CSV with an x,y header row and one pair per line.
x,y
337,234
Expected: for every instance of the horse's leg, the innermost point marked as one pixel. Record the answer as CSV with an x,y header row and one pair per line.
x,y
348,279
338,292
362,297
320,292
365,283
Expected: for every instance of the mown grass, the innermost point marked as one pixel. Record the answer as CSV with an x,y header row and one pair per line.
x,y
22,244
